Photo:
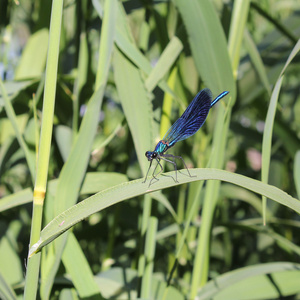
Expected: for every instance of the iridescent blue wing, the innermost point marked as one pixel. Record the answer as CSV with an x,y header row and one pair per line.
x,y
191,120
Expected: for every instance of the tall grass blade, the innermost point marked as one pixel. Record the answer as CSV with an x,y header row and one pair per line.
x,y
165,62
267,139
208,44
136,105
165,122
209,51
33,264
6,292
30,159
268,131
150,247
73,171
237,25
80,271
256,60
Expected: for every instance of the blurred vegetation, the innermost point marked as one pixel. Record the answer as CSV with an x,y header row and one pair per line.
x,y
202,238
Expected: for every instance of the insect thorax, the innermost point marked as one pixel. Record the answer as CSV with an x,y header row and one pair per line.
x,y
161,147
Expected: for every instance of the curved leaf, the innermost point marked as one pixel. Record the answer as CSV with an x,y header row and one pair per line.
x,y
242,282
134,188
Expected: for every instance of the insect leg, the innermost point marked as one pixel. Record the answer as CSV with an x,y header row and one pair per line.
x,y
148,171
179,157
170,161
161,170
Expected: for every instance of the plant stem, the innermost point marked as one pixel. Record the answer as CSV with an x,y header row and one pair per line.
x,y
32,274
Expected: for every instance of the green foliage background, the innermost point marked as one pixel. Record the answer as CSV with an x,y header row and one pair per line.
x,y
111,77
